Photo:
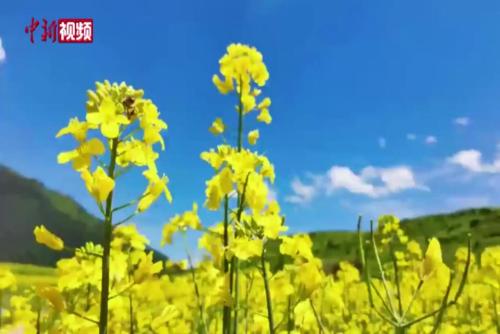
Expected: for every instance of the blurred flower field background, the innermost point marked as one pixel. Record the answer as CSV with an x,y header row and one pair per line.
x,y
255,278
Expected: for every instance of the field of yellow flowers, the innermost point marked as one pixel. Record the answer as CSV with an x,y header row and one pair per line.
x,y
117,287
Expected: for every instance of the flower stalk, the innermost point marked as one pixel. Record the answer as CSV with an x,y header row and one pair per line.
x,y
226,311
108,228
268,294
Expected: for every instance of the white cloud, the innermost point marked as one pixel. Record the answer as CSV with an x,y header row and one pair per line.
x,y
431,140
472,161
371,181
397,179
3,55
390,180
462,121
302,193
411,136
382,142
344,178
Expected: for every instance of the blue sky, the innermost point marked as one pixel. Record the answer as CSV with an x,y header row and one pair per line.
x,y
378,106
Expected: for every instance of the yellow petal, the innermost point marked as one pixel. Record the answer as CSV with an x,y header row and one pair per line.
x,y
217,127
253,136
265,116
47,238
95,147
432,259
94,118
110,130
65,157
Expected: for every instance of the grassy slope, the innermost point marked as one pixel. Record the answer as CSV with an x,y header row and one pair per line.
x,y
29,275
335,246
25,203
451,230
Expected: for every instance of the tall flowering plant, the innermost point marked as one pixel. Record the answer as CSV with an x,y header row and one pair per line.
x,y
241,181
122,130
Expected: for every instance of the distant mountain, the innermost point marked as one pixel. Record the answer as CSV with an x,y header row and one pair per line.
x,y
451,229
25,203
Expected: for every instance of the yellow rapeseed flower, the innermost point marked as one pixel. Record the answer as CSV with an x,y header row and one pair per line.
x,y
217,127
298,247
52,295
81,157
432,259
264,115
76,128
225,86
152,125
47,238
217,187
147,268
128,235
253,136
109,117
135,152
310,277
155,188
188,219
245,249
98,184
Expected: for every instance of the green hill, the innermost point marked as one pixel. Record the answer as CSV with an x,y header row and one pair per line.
x,y
451,230
25,203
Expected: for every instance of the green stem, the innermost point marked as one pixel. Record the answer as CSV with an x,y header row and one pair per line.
x,y
235,262
396,280
439,318
379,295
81,316
108,227
38,319
247,298
268,295
126,219
381,269
368,280
236,294
399,330
129,204
426,316
87,301
226,316
231,275
316,315
195,285
413,298
466,269
130,305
